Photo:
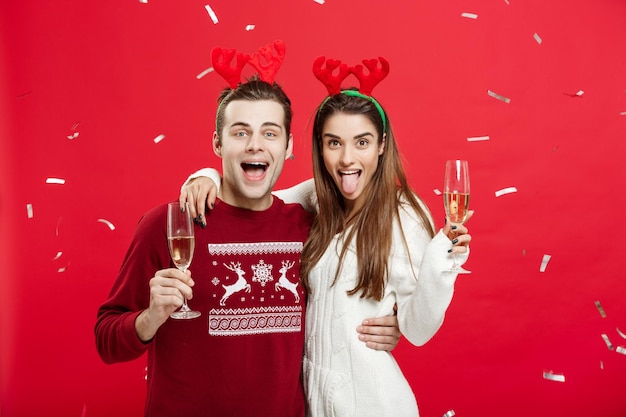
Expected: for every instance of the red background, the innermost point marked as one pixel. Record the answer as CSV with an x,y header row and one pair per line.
x,y
120,73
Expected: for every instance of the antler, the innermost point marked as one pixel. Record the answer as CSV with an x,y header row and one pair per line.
x,y
222,58
376,74
325,75
269,70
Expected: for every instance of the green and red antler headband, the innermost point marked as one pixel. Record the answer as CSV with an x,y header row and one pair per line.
x,y
222,58
367,81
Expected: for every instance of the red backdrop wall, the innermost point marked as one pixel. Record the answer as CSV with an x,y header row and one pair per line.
x,y
86,87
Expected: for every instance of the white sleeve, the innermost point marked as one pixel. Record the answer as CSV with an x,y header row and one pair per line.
x,y
210,173
303,194
422,303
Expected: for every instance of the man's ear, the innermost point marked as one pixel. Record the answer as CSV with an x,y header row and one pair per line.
x,y
217,147
289,151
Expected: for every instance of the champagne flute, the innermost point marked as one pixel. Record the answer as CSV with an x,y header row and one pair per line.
x,y
181,242
456,196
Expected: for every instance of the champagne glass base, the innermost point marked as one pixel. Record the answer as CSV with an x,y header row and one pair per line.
x,y
183,315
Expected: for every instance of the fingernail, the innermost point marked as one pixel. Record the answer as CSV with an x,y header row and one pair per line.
x,y
196,220
200,216
455,241
453,227
203,225
449,250
212,205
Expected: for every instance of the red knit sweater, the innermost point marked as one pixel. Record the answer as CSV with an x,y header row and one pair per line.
x,y
243,356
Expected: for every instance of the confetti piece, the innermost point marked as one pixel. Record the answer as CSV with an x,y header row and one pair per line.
x,y
62,269
498,96
212,14
470,15
504,191
29,211
108,223
537,38
601,365
449,413
554,377
143,1
437,191
205,72
159,138
55,181
319,1
73,136
478,138
544,263
621,349
607,341
507,1
58,255
623,113
620,333
250,27
600,309
73,132
580,93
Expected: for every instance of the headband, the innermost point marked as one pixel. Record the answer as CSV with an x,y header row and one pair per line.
x,y
367,82
222,59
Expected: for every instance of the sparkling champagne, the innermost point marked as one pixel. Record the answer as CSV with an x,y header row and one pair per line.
x,y
181,250
457,205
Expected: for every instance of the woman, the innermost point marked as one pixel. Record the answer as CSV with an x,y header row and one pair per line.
x,y
372,247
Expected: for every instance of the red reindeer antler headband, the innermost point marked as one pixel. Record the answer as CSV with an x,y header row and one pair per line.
x,y
222,58
367,82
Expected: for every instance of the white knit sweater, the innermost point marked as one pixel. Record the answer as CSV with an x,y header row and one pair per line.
x,y
342,377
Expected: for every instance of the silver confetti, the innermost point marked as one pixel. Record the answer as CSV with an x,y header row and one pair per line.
x,y
478,138
319,1
544,263
58,255
108,223
470,15
607,341
623,113
51,180
538,38
29,211
504,191
498,96
600,309
211,14
159,138
621,349
205,72
449,413
437,191
619,332
250,27
554,377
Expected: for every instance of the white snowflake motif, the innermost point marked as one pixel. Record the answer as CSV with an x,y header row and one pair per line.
x,y
215,281
262,273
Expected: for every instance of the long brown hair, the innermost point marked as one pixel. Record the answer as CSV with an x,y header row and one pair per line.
x,y
372,226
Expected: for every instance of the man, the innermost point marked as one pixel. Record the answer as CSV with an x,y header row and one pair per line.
x,y
242,357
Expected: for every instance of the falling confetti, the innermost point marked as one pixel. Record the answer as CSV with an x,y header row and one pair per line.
x,y
319,1
619,332
504,191
580,93
607,341
250,27
159,138
29,211
55,181
143,1
498,96
554,377
212,14
73,132
600,309
470,15
538,38
437,191
623,113
205,72
621,349
449,413
58,255
478,138
544,263
108,223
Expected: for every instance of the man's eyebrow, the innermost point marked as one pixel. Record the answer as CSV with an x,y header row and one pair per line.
x,y
272,124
